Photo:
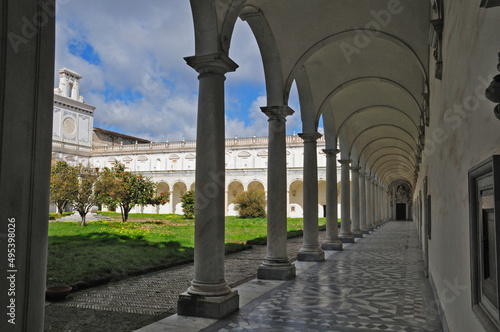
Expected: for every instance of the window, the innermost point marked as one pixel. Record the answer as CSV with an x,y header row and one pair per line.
x,y
484,188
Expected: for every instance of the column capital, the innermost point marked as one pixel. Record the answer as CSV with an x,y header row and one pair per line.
x,y
216,63
368,177
354,168
310,137
277,112
345,162
362,174
331,152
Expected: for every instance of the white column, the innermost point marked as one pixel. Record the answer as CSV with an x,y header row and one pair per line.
x,y
377,204
310,250
26,108
373,199
368,185
345,235
355,226
209,288
362,203
332,241
276,265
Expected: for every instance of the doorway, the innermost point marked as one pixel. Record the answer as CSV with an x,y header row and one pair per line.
x,y
400,211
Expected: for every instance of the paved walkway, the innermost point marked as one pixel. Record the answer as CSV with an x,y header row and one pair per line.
x,y
376,284
138,301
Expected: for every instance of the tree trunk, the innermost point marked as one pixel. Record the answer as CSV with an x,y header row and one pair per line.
x,y
83,219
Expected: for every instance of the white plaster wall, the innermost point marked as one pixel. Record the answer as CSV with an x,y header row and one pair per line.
x,y
456,141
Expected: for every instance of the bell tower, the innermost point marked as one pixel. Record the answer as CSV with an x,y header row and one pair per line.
x,y
73,121
69,84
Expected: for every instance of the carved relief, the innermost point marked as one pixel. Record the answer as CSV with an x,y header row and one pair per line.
x,y
436,36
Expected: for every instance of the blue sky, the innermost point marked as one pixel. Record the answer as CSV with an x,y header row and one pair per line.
x,y
130,54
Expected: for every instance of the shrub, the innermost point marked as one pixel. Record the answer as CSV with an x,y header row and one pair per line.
x,y
188,204
251,204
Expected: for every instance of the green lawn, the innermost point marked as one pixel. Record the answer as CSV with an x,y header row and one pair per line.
x,y
103,251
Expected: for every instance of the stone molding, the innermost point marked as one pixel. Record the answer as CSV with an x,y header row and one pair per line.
x,y
277,113
215,63
355,169
310,137
345,161
331,152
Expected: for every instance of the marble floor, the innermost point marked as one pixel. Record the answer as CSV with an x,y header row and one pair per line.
x,y
376,284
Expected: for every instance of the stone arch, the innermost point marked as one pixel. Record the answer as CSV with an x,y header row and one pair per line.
x,y
178,189
163,187
256,185
296,198
321,198
234,188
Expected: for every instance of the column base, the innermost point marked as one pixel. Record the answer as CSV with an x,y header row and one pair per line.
x,y
365,231
333,245
206,306
306,255
371,228
267,272
346,238
358,234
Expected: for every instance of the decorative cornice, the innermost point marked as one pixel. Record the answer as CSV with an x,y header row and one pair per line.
x,y
345,161
310,137
277,112
216,63
331,152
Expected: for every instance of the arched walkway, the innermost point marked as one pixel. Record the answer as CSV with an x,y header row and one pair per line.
x,y
233,189
296,198
179,189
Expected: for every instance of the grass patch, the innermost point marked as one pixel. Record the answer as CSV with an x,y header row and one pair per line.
x,y
104,251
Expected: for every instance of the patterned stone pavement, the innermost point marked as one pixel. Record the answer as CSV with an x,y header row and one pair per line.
x,y
376,284
138,301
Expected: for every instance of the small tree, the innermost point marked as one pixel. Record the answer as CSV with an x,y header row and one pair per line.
x,y
188,204
125,189
84,196
63,184
107,188
251,204
160,199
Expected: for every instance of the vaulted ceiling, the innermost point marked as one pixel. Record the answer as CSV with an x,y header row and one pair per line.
x,y
361,64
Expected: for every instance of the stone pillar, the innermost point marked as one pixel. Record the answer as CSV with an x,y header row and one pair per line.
x,y
376,204
355,226
345,235
362,203
276,265
373,216
209,294
310,250
369,219
332,241
26,108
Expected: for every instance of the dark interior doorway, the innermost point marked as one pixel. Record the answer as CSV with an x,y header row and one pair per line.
x,y
400,211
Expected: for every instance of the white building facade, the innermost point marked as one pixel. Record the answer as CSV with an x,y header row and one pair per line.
x,y
173,164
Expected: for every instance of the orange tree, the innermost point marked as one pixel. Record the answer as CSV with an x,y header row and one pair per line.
x,y
63,184
122,188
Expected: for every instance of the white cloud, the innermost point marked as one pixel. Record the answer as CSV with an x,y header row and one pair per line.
x,y
142,85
